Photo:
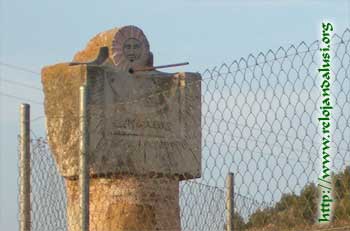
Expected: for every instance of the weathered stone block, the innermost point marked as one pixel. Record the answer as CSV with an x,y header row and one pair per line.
x,y
142,124
144,132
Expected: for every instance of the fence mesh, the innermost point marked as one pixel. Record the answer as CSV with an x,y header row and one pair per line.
x,y
259,121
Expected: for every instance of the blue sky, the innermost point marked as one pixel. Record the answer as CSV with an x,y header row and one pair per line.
x,y
205,33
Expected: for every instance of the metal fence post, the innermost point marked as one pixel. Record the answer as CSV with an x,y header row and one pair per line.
x,y
229,202
24,168
84,162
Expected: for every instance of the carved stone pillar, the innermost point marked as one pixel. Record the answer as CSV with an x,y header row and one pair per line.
x,y
144,132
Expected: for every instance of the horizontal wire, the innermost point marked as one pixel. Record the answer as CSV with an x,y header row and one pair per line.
x,y
220,74
21,98
202,79
20,84
19,68
37,118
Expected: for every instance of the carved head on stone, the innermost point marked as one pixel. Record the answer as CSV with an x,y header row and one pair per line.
x,y
144,125
128,48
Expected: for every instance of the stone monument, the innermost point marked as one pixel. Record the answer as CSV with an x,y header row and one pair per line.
x,y
144,133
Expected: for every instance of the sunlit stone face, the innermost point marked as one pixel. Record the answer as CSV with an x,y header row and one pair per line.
x,y
132,49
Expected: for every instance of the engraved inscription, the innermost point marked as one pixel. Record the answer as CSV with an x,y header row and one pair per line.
x,y
142,107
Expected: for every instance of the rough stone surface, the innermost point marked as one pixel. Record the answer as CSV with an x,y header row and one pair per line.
x,y
144,132
102,39
61,85
128,47
127,203
145,124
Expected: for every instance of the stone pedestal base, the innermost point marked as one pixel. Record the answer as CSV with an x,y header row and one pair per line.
x,y
127,203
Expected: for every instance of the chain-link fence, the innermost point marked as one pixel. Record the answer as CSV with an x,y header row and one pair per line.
x,y
258,120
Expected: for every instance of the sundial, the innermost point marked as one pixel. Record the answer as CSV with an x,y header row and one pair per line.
x,y
148,118
143,132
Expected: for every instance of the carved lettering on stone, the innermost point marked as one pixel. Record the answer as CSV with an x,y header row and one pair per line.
x,y
144,123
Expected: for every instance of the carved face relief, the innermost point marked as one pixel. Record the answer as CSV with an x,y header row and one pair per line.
x,y
130,48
